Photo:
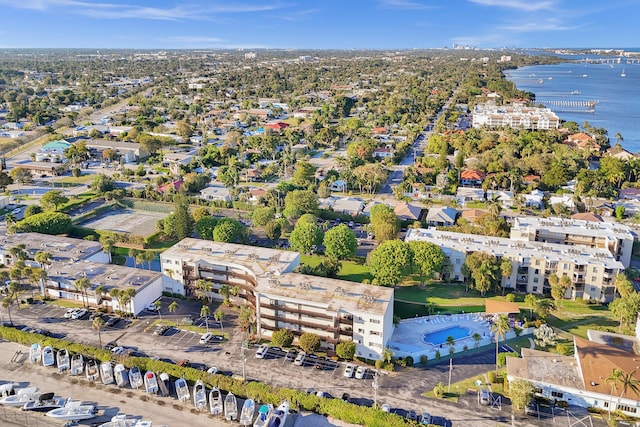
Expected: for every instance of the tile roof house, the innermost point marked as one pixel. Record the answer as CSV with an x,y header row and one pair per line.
x,y
472,178
408,212
175,186
277,125
530,179
583,141
587,216
383,152
473,215
620,153
441,216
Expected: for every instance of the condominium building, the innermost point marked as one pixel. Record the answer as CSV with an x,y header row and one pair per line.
x,y
517,116
60,248
592,270
616,238
336,310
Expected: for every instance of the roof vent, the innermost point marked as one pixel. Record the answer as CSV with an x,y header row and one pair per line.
x,y
593,383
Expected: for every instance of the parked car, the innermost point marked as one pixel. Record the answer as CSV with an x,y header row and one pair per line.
x,y
300,358
484,396
95,314
261,352
70,312
187,320
79,314
111,321
320,363
184,363
212,370
42,332
426,418
161,329
151,307
118,350
346,397
290,356
411,415
110,345
361,372
324,394
349,370
385,408
206,338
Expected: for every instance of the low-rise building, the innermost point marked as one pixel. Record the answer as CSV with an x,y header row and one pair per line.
x,y
517,116
616,238
336,310
592,270
215,193
441,216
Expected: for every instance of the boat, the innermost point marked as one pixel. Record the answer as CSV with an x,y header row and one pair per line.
x,y
63,360
6,390
585,76
123,420
106,372
230,408
248,410
540,81
199,395
264,413
35,353
182,390
623,74
550,78
150,382
92,372
21,397
121,375
576,92
279,416
135,377
45,403
48,358
74,411
77,364
163,383
215,401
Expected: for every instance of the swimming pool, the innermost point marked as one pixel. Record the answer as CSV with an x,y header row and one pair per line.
x,y
440,337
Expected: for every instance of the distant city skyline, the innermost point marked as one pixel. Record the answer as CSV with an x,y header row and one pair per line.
x,y
328,24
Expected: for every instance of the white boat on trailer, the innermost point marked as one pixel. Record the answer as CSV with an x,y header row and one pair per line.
x,y
264,413
163,384
64,363
48,356
92,371
151,382
182,390
77,365
123,420
22,396
135,377
230,408
248,410
106,373
215,401
74,411
121,375
35,353
199,395
279,416
45,403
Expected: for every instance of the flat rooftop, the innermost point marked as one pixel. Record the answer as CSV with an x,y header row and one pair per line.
x,y
332,294
60,248
574,227
108,275
544,367
499,246
257,259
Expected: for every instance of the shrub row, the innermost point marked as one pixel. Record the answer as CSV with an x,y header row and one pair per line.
x,y
260,392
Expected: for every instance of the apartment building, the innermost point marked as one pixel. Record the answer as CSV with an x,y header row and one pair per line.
x,y
517,116
60,248
336,310
592,270
616,238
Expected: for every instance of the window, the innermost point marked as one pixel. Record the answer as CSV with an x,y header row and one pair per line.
x,y
535,280
374,333
593,278
535,289
627,408
557,394
376,321
360,331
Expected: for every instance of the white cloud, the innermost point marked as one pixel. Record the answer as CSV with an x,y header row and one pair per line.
x,y
518,4
537,26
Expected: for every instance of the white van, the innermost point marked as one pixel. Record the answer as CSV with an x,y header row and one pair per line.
x,y
206,338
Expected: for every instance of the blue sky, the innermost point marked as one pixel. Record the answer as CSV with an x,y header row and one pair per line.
x,y
342,24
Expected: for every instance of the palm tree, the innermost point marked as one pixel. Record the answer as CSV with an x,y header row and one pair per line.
x,y
387,354
225,291
158,306
97,324
476,338
173,307
43,258
82,285
203,289
18,252
40,275
116,294
219,315
500,326
531,301
494,206
7,302
148,257
107,245
205,311
544,306
628,382
130,294
452,345
613,379
100,292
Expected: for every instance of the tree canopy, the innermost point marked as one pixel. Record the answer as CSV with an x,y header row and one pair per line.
x,y
340,242
390,262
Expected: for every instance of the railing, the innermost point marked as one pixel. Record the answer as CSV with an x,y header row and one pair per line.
x,y
300,322
23,418
294,310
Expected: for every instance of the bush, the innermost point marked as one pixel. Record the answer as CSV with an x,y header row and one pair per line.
x,y
502,358
310,343
510,298
346,350
408,361
492,377
438,354
379,364
388,367
45,222
438,390
424,359
282,338
564,348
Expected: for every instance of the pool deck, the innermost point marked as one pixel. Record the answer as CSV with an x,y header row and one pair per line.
x,y
407,339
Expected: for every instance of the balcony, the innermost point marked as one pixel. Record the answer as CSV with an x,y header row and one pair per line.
x,y
296,310
299,322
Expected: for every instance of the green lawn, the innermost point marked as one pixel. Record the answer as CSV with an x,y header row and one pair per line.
x,y
351,271
576,317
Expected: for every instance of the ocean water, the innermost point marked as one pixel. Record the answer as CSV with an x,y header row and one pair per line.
x,y
618,107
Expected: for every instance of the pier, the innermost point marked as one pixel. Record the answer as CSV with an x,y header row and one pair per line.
x,y
569,105
609,61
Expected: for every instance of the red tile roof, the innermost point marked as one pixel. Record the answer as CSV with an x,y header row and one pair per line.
x,y
472,174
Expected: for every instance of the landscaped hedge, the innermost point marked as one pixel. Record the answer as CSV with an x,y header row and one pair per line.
x,y
260,392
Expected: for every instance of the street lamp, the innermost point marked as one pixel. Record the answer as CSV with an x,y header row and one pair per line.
x,y
375,389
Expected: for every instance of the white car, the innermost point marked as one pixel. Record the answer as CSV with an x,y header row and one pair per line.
x,y
300,359
425,419
79,314
349,370
151,307
212,370
117,350
361,372
206,338
70,312
261,352
385,408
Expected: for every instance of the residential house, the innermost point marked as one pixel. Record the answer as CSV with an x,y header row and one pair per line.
x,y
53,151
256,193
253,175
620,153
278,126
338,185
171,186
629,194
583,141
587,216
565,200
535,199
383,152
504,197
305,112
473,215
408,211
128,152
215,193
441,216
176,161
530,179
471,178
345,205
467,194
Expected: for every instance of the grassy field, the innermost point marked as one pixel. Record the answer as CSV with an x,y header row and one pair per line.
x,y
351,271
469,386
576,317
